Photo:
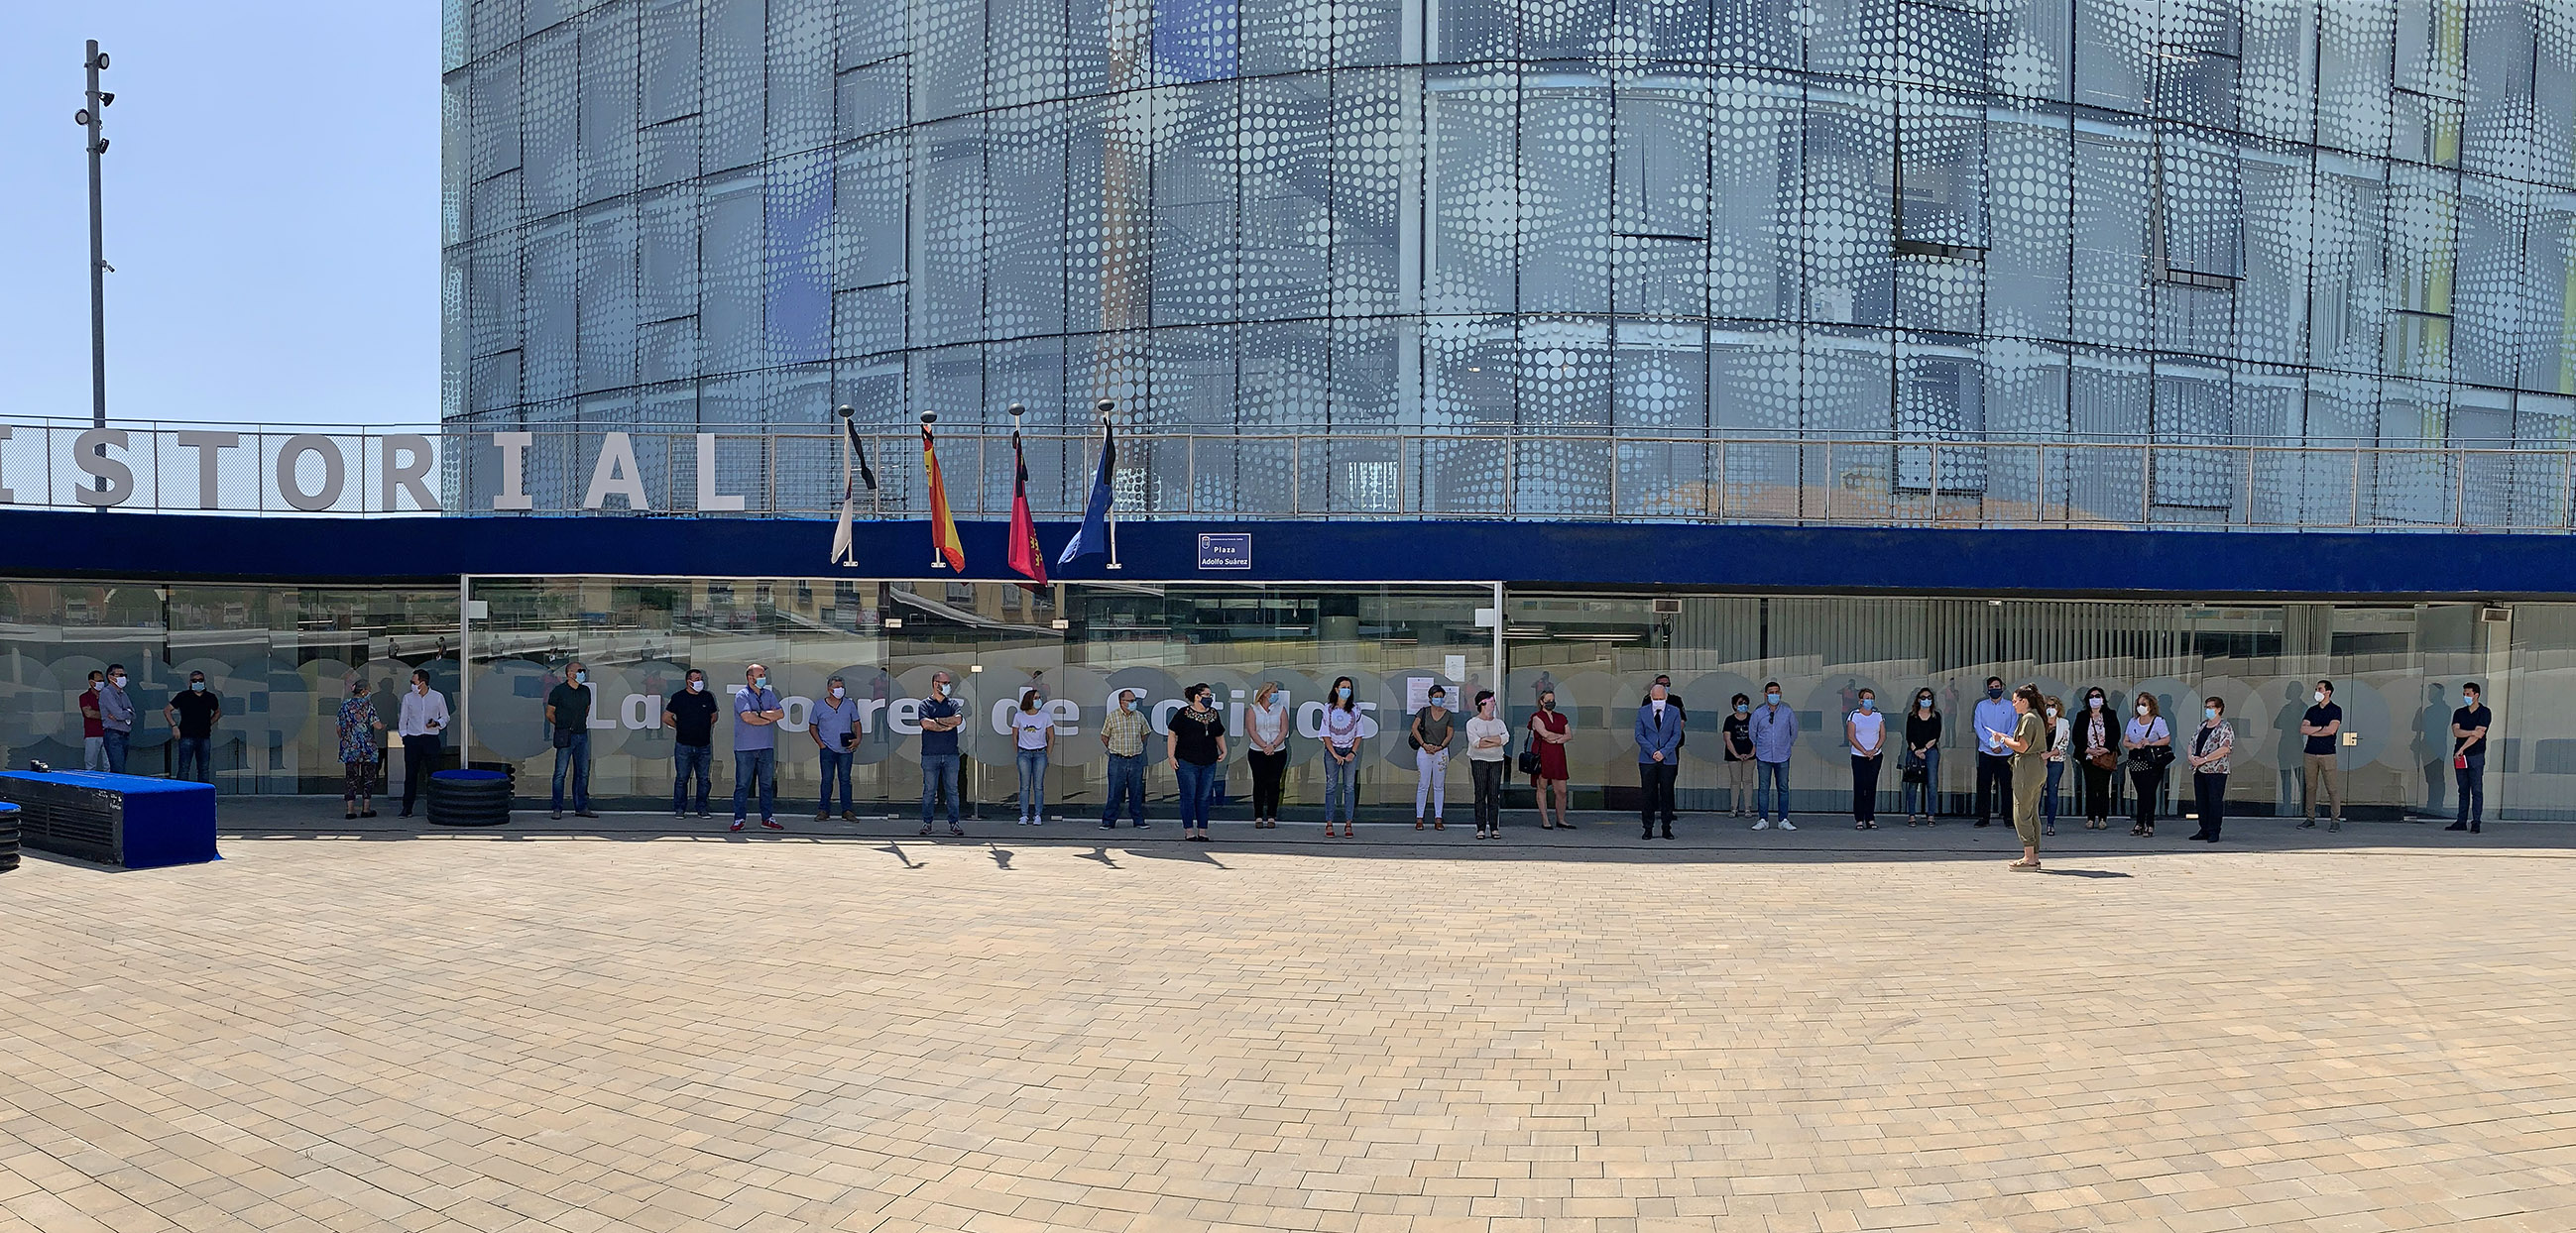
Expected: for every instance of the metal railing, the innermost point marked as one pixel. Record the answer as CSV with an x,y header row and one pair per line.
x,y
796,472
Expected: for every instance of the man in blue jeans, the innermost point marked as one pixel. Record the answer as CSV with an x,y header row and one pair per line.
x,y
941,717
1775,733
834,725
1122,733
691,716
2469,724
116,718
568,719
192,716
756,712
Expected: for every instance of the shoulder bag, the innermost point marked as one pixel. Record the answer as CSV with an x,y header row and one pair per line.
x,y
1528,761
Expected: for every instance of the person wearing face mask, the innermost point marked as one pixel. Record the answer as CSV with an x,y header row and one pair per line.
x,y
1265,723
1922,795
1033,736
941,716
2061,732
1341,736
2320,725
1432,730
1195,744
1122,733
358,751
2209,749
421,723
833,723
1994,761
756,712
192,714
1736,736
2101,757
2027,740
1659,756
691,716
2469,724
1775,733
568,717
2150,746
93,733
1489,742
1547,728
1865,730
115,718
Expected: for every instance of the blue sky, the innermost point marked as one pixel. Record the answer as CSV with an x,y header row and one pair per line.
x,y
272,210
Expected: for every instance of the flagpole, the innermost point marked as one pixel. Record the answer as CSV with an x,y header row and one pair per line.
x,y
1109,516
928,447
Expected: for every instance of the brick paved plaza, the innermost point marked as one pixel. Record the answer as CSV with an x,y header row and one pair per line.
x,y
1812,1032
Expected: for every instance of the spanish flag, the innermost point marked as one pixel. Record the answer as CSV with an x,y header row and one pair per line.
x,y
943,529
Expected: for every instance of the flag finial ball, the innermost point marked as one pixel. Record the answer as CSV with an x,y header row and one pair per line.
x,y
1105,406
929,417
1017,410
846,412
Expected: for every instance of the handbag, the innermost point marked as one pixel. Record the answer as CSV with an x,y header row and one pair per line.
x,y
2102,759
1528,761
563,738
2151,757
1915,771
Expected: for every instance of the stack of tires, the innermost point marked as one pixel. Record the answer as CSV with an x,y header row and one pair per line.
x,y
8,837
469,798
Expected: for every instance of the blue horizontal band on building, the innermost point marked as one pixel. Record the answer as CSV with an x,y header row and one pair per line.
x,y
2197,564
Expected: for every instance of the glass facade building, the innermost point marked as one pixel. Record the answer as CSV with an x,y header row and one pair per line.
x,y
2162,221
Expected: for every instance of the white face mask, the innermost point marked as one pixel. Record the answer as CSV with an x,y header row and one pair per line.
x,y
836,691
2320,696
2142,712
2052,712
118,680
2095,703
695,686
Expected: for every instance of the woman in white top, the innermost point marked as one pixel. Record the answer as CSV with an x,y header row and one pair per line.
x,y
1035,728
1489,743
1341,737
2061,731
1865,730
1266,720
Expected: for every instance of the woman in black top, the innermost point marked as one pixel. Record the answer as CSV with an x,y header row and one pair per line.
x,y
1922,751
1738,740
2097,749
1195,743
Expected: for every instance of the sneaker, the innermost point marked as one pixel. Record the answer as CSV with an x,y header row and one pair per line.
x,y
584,813
559,818
2048,830
1144,826
958,831
704,814
771,824
737,824
1765,824
1787,825
676,813
2335,825
1109,826
2308,824
924,830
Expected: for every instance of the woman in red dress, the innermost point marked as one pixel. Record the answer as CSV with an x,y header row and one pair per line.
x,y
1548,730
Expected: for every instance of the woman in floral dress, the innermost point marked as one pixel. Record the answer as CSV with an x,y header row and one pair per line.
x,y
358,729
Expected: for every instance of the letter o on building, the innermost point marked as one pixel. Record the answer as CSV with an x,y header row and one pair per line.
x,y
334,472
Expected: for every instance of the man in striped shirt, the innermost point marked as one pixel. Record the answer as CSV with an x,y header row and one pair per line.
x,y
1123,733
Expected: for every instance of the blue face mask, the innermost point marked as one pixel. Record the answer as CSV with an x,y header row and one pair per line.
x,y
1869,704
759,682
1743,707
1773,699
1343,692
2469,700
581,678
2209,712
196,687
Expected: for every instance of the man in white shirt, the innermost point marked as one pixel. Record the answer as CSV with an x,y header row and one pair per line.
x,y
424,718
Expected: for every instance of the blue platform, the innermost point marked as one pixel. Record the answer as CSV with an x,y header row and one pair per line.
x,y
126,820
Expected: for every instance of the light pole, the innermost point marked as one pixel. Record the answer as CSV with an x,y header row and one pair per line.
x,y
94,117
